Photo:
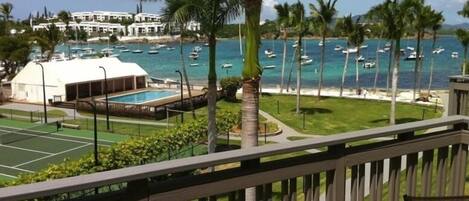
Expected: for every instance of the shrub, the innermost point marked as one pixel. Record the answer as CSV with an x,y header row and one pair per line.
x,y
230,86
136,151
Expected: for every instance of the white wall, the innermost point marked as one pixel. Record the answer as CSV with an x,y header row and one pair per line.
x,y
33,93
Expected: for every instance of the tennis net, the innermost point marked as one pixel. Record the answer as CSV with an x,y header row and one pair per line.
x,y
10,135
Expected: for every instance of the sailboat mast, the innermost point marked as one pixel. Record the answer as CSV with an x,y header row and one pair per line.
x,y
240,41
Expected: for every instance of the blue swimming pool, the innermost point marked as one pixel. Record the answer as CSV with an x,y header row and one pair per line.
x,y
142,97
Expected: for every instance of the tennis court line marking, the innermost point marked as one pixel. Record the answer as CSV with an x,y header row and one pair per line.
x,y
7,175
15,168
58,134
24,149
47,137
42,158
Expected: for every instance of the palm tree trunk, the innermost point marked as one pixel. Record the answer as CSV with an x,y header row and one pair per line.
x,y
298,75
184,73
375,89
464,67
432,62
416,67
357,76
344,72
388,77
212,95
285,38
291,71
251,76
395,79
321,69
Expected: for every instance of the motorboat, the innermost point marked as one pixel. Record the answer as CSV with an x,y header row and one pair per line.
x,y
320,44
410,48
381,51
153,52
115,55
155,48
268,52
197,49
388,44
413,56
363,46
124,50
338,48
270,67
438,50
454,55
307,62
194,55
360,59
227,65
206,44
271,56
161,46
170,48
194,64
370,63
120,47
350,50
387,49
137,51
295,45
305,57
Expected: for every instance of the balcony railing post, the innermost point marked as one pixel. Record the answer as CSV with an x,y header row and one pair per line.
x,y
394,178
268,192
307,184
427,173
292,189
316,186
441,171
335,179
284,190
137,190
458,168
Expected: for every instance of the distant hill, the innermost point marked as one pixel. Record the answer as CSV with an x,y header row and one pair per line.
x,y
456,26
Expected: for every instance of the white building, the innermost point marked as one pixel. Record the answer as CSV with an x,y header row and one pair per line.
x,y
193,26
147,17
68,80
101,16
89,27
145,28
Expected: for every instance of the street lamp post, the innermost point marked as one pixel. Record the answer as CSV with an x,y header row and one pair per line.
x,y
106,94
43,92
93,106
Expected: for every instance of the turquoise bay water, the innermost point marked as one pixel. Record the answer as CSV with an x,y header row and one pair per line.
x,y
141,97
164,64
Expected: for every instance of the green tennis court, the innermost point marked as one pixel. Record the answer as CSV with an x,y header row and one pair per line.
x,y
26,148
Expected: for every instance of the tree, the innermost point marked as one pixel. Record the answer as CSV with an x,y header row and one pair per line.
x,y
64,16
48,39
324,14
345,27
436,23
356,39
465,11
394,16
298,23
5,11
230,86
463,37
252,73
212,15
284,23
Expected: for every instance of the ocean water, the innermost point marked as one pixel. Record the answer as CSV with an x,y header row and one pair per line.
x,y
164,64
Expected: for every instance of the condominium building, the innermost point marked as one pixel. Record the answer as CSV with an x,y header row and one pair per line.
x,y
101,16
147,17
89,27
145,28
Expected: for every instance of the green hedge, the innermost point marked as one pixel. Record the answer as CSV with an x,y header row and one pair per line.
x,y
136,151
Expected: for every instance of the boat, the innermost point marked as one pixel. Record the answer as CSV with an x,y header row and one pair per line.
x,y
269,67
124,50
387,49
86,49
413,56
170,48
402,51
154,48
305,57
197,49
388,44
410,48
153,52
161,46
271,56
360,59
194,64
194,55
137,51
338,48
307,62
438,50
268,52
75,49
381,51
227,65
295,45
320,44
363,46
115,55
350,50
454,55
206,44
120,47
370,63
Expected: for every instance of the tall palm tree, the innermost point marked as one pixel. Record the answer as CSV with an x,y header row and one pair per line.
x,y
64,16
345,26
463,37
48,39
393,15
173,13
251,74
357,37
284,22
299,25
436,23
213,15
465,11
5,10
324,13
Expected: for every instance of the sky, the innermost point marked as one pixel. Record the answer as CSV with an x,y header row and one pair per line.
x,y
22,8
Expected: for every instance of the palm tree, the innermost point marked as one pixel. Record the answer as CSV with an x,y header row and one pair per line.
x,y
251,74
5,10
357,37
284,22
463,37
324,14
436,23
345,26
64,16
465,11
300,27
212,15
393,15
48,39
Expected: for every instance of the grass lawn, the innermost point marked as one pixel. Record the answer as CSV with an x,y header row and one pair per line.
x,y
36,114
337,115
